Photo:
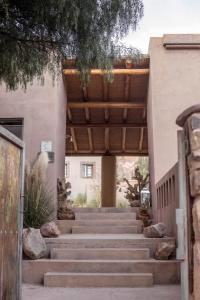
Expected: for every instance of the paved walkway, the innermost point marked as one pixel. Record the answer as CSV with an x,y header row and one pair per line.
x,y
169,292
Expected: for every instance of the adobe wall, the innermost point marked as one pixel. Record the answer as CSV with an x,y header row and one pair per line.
x,y
173,86
43,108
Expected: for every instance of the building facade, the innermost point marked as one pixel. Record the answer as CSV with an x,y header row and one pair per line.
x,y
173,85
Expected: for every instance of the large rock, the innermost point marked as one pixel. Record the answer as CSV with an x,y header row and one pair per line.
x,y
49,230
155,231
164,250
34,245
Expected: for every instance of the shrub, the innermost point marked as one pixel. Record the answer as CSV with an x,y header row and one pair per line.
x,y
80,200
38,207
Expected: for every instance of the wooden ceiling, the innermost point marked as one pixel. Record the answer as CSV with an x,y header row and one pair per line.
x,y
107,118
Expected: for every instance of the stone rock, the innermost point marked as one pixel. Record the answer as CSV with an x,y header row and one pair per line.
x,y
155,231
195,139
195,183
164,250
65,213
34,245
49,230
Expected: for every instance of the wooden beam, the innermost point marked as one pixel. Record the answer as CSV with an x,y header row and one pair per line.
x,y
107,139
106,96
123,139
85,97
126,96
114,71
102,152
142,131
74,139
69,114
106,125
90,139
128,105
141,138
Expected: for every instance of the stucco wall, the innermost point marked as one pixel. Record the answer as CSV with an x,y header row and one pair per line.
x,y
173,86
43,108
86,186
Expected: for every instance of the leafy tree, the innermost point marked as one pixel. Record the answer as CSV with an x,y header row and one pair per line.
x,y
37,35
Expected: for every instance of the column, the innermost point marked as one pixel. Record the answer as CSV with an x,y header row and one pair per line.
x,y
108,181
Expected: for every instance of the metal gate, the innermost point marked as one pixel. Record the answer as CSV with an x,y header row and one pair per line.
x,y
11,212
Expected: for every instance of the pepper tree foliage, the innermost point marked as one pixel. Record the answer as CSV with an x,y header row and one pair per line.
x,y
36,35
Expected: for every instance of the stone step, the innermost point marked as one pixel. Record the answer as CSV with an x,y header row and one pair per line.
x,y
164,272
104,229
56,279
101,253
105,210
132,241
65,226
105,216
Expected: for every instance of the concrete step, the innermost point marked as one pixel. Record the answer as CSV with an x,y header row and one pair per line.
x,y
105,216
105,210
164,272
132,241
56,279
65,226
101,253
104,229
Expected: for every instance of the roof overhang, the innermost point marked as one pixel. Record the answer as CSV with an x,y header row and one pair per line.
x,y
107,117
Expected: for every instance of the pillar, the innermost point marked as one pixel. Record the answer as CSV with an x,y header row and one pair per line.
x,y
108,181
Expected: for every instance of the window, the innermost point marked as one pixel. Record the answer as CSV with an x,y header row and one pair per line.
x,y
13,125
87,170
66,169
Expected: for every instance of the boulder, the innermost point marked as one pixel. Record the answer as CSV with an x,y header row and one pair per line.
x,y
155,231
49,230
164,250
34,245
65,213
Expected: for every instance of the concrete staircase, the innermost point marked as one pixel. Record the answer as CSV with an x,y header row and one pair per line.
x,y
101,248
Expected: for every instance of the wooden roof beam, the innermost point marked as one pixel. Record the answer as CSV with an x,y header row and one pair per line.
x,y
141,138
126,96
101,105
123,139
114,71
72,130
106,125
142,131
90,139
107,139
85,97
105,96
69,114
102,152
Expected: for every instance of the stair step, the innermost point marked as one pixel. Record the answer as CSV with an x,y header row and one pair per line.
x,y
101,253
65,226
105,216
57,279
105,209
132,241
104,229
164,272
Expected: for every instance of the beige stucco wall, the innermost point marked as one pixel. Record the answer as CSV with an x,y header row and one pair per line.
x,y
43,108
174,85
87,186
